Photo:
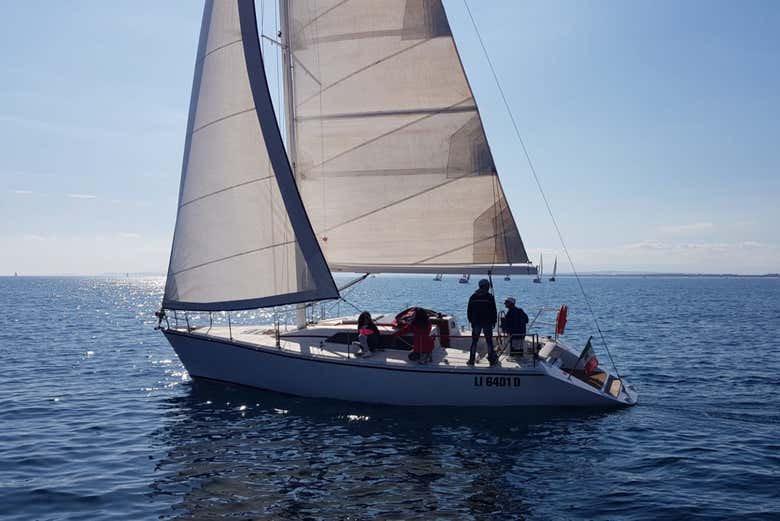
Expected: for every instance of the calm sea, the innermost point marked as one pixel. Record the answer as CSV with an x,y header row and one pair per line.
x,y
99,420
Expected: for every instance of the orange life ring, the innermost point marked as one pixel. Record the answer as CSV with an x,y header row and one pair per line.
x,y
560,323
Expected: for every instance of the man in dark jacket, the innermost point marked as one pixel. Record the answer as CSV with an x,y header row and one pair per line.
x,y
482,316
514,322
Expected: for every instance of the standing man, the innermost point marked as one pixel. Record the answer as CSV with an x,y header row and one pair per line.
x,y
482,316
514,322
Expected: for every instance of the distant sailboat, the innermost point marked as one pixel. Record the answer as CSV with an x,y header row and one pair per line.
x,y
555,270
376,102
438,277
465,278
540,271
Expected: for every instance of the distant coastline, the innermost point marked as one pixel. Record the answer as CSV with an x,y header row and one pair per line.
x,y
685,275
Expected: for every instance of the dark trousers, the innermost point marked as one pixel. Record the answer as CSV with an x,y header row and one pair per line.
x,y
476,330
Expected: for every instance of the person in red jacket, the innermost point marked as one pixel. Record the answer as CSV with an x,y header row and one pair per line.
x,y
420,326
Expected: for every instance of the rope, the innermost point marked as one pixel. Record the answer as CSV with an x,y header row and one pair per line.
x,y
539,186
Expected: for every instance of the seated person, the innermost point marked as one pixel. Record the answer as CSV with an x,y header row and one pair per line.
x,y
368,335
420,327
514,322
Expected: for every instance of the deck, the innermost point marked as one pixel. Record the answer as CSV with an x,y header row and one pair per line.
x,y
314,342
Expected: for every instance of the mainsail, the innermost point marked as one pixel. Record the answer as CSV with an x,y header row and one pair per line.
x,y
240,223
391,157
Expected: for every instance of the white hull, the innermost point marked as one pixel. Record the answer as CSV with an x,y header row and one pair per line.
x,y
377,381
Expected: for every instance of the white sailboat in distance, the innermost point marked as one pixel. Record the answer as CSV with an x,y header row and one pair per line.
x,y
387,170
540,271
555,270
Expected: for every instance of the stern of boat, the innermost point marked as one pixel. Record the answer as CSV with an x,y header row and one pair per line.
x,y
562,363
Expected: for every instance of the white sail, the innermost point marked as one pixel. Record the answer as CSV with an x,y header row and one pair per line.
x,y
240,218
539,269
391,157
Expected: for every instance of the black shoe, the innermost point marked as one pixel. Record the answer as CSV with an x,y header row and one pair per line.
x,y
470,363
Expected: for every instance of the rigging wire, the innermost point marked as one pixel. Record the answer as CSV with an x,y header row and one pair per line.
x,y
351,304
347,288
539,185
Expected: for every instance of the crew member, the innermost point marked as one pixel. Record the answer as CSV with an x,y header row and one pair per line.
x,y
482,316
423,344
368,335
514,322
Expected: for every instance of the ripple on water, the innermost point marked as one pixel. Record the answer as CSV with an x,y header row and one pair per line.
x,y
100,420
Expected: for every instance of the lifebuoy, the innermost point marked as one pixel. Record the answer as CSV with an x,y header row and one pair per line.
x,y
560,323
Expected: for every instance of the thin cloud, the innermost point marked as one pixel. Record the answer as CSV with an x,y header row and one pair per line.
x,y
37,238
648,245
679,229
81,196
692,247
129,235
708,247
23,192
753,245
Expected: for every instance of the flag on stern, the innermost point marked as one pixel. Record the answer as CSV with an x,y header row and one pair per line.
x,y
589,356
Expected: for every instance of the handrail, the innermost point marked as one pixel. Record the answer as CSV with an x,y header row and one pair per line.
x,y
539,313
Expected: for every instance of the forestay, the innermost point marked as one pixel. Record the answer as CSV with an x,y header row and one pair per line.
x,y
391,156
240,223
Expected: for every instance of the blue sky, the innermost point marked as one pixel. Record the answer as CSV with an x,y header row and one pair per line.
x,y
653,126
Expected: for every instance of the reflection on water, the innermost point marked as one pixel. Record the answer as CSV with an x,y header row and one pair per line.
x,y
240,451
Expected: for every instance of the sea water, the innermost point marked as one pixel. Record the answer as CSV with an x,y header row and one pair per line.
x,y
99,420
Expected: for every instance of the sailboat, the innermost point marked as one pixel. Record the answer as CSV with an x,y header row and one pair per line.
x,y
386,169
465,278
540,271
555,270
438,277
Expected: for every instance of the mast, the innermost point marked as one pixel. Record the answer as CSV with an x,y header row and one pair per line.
x,y
289,103
289,123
